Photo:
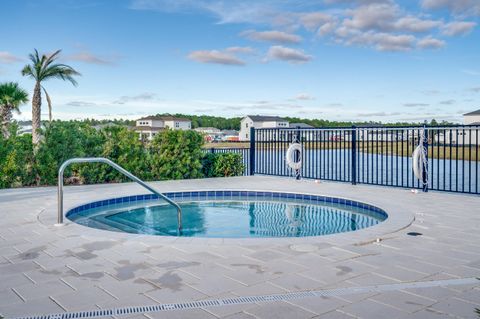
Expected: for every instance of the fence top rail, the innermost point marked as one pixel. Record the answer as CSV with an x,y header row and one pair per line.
x,y
379,128
226,148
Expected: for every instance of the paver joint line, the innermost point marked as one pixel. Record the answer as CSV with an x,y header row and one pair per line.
x,y
253,299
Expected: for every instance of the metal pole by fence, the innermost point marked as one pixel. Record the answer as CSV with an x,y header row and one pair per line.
x,y
354,155
425,162
252,151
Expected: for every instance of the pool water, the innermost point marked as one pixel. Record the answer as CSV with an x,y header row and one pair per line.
x,y
233,218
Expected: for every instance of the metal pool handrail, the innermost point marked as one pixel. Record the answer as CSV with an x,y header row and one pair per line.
x,y
118,168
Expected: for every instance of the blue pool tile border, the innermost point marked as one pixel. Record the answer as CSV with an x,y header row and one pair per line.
x,y
229,194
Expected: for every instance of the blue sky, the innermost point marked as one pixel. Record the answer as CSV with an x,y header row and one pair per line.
x,y
381,60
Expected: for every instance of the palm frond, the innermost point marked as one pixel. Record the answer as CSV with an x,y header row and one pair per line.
x,y
12,96
44,67
27,70
61,71
52,58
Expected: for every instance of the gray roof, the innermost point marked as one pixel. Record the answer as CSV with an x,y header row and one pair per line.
x,y
230,132
301,125
262,118
474,123
477,112
164,118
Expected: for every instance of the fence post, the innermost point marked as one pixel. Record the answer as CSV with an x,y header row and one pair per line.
x,y
212,150
425,163
252,151
354,155
298,172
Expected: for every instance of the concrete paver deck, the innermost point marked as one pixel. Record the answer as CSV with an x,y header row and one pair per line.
x,y
47,269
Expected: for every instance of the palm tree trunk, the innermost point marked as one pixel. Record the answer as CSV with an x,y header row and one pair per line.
x,y
36,114
5,117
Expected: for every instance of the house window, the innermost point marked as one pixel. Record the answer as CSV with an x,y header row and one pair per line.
x,y
246,135
246,125
177,124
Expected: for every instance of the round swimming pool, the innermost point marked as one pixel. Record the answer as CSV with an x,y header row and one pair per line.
x,y
229,214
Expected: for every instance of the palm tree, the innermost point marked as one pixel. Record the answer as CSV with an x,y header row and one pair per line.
x,y
11,97
41,69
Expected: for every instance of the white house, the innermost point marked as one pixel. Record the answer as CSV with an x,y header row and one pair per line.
x,y
466,135
258,121
149,126
472,118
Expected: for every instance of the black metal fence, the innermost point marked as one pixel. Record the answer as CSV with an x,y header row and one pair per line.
x,y
374,155
370,155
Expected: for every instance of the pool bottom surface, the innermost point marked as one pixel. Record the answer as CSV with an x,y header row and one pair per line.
x,y
234,218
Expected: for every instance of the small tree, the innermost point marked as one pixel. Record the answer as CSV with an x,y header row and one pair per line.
x,y
176,154
11,97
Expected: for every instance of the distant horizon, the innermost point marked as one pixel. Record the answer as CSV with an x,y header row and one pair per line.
x,y
342,60
45,119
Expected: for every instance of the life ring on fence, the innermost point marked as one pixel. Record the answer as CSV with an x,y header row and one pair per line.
x,y
418,159
293,163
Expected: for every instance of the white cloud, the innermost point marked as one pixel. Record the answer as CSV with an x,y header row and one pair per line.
x,y
414,24
314,20
278,52
272,36
458,28
466,7
447,102
244,50
147,96
91,58
327,28
304,97
415,104
216,57
430,43
386,25
376,16
6,57
380,40
81,104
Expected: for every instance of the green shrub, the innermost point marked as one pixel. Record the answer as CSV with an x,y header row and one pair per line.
x,y
123,147
16,160
222,165
62,141
208,162
228,164
176,154
173,154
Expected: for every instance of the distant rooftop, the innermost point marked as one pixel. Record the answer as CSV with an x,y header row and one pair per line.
x,y
148,128
261,118
301,125
207,129
477,112
164,118
230,132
